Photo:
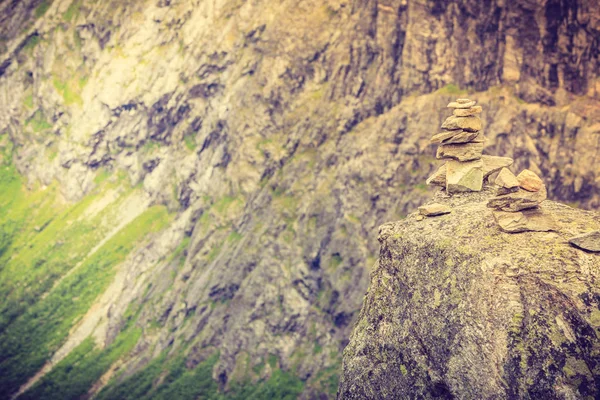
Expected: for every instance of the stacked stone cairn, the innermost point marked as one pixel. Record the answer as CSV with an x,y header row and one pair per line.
x,y
461,145
517,206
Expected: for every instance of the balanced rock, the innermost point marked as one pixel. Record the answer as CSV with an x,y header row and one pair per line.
x,y
517,201
529,180
464,137
588,241
457,136
466,112
464,176
453,122
533,220
438,178
457,104
460,152
440,137
492,164
507,182
432,210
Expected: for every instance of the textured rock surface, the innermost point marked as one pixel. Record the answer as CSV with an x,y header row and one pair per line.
x,y
529,181
464,176
519,200
506,181
431,210
472,124
588,241
467,112
280,134
458,309
533,220
460,152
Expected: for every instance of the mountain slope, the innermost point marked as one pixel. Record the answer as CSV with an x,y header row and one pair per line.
x,y
271,138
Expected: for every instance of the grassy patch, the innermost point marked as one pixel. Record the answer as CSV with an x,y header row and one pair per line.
x,y
42,8
28,101
72,11
70,90
38,122
73,376
41,239
31,43
452,89
190,142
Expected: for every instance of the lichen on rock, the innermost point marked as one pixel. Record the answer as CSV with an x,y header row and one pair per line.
x,y
458,309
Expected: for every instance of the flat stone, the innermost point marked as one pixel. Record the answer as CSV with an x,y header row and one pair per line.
x,y
493,164
464,176
472,124
588,241
517,201
507,182
462,137
466,112
529,180
456,104
438,178
463,101
534,220
440,137
460,152
431,210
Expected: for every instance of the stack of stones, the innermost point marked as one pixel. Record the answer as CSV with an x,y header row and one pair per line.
x,y
517,204
461,145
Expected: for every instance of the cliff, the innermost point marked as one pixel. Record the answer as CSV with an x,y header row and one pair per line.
x,y
458,309
196,185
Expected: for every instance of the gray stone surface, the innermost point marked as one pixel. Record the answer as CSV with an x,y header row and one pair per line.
x,y
458,309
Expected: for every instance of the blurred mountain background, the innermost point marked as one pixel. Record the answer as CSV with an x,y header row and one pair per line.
x,y
190,190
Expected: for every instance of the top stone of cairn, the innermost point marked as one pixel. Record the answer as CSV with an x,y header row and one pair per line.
x,y
462,103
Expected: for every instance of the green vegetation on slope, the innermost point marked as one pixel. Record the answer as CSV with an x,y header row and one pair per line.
x,y
183,383
72,377
41,294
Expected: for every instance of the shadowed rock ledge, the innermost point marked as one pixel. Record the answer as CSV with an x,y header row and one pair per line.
x,y
458,309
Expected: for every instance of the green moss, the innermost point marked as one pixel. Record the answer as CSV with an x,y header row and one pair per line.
x,y
28,101
451,89
42,8
69,91
38,122
214,252
180,252
72,11
273,360
336,261
234,237
223,205
403,369
259,368
190,142
317,349
31,44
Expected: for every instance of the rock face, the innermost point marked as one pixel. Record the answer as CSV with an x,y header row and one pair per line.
x,y
279,135
458,309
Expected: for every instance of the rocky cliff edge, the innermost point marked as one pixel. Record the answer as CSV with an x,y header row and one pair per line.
x,y
457,308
